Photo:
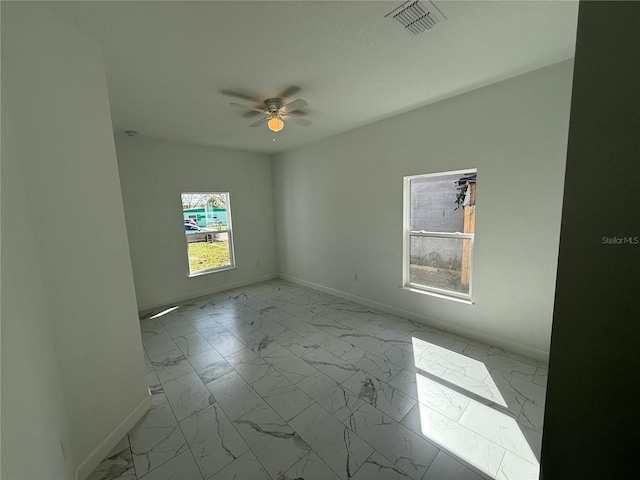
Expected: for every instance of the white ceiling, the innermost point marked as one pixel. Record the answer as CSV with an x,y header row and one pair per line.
x,y
167,61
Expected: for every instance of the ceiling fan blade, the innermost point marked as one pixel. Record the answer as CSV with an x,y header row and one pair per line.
x,y
300,121
298,113
297,104
289,92
251,111
241,96
259,122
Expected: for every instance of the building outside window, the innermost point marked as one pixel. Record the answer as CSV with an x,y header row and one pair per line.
x,y
439,230
208,233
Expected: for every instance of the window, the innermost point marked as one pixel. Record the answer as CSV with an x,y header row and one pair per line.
x,y
207,229
439,219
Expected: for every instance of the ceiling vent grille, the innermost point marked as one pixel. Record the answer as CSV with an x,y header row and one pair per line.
x,y
417,16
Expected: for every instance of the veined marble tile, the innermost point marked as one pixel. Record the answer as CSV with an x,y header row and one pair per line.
x,y
249,365
401,357
329,364
148,367
274,443
156,438
364,325
532,416
179,330
534,439
118,466
330,343
519,387
213,440
406,450
181,467
282,395
540,377
226,344
309,467
192,344
406,382
514,467
379,394
370,343
298,326
379,468
269,326
333,327
497,427
333,397
245,467
292,367
234,394
172,367
240,329
207,322
187,395
195,314
155,387
427,366
209,365
440,339
174,319
501,362
151,328
483,390
160,346
440,398
336,444
259,342
395,339
456,362
295,343
472,448
445,467
378,367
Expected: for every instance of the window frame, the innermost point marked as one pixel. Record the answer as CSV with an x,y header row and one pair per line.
x,y
228,230
408,234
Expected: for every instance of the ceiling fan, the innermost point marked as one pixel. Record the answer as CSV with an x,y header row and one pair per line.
x,y
275,112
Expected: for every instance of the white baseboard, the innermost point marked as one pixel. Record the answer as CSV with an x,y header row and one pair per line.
x,y
89,464
465,332
199,293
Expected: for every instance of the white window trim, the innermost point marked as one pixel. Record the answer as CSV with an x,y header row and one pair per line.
x,y
229,230
407,234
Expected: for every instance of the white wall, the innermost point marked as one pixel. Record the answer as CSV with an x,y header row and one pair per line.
x,y
153,174
339,206
33,414
69,285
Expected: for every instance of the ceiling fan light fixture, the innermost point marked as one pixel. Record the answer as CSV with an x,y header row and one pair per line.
x,y
275,124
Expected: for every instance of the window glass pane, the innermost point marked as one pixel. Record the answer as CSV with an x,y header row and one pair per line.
x,y
442,263
436,204
207,227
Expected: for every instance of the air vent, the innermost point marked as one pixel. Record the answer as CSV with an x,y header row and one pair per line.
x,y
417,16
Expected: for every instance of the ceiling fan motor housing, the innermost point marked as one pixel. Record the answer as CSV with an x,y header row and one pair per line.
x,y
273,105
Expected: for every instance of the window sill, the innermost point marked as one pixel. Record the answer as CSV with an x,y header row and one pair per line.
x,y
211,270
467,301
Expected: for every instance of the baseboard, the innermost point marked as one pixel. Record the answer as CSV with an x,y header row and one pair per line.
x,y
187,296
89,464
463,331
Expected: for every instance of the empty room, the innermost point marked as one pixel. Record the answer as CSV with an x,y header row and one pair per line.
x,y
319,240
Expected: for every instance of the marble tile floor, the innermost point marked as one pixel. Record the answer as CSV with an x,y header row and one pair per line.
x,y
274,381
